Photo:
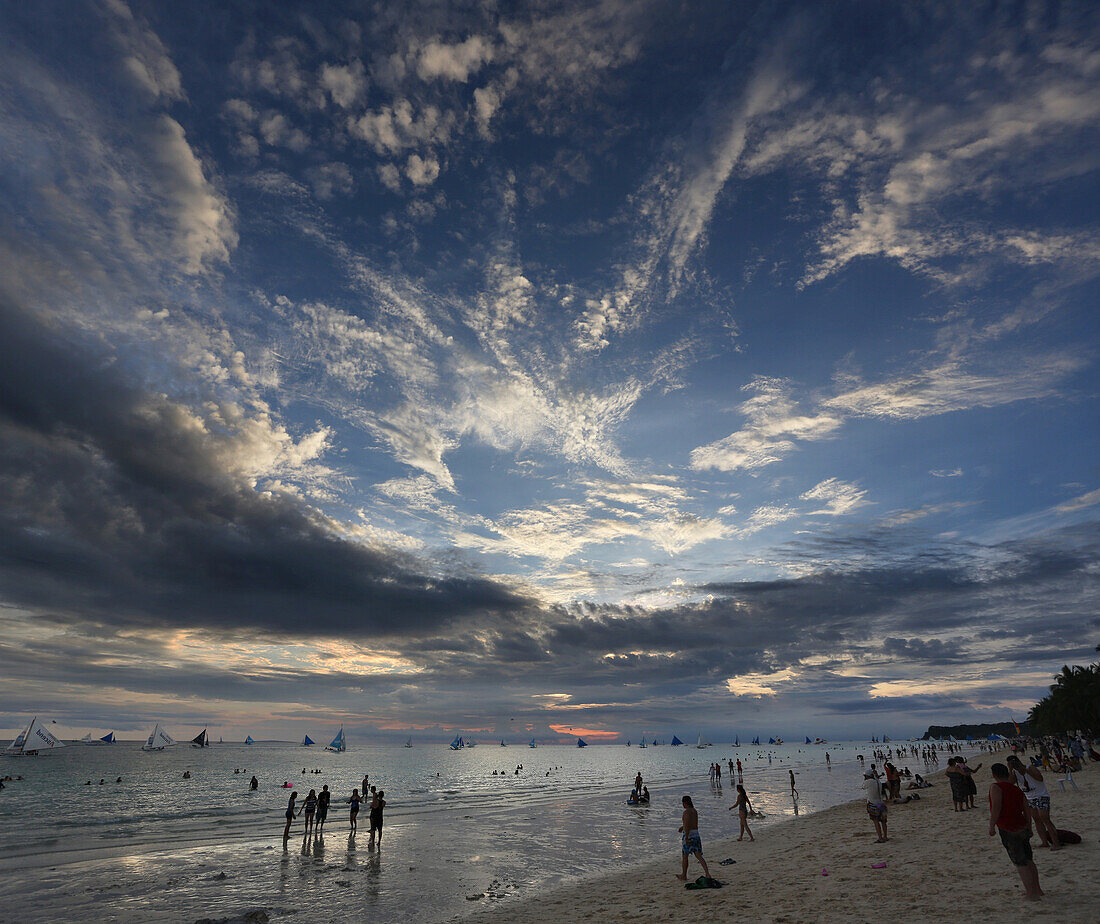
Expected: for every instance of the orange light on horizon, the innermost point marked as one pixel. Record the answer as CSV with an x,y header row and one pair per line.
x,y
583,732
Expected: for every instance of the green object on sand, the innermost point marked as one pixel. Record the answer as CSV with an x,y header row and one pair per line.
x,y
703,882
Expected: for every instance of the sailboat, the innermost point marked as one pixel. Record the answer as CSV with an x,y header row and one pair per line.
x,y
458,744
338,745
703,743
249,740
158,740
771,741
643,744
108,738
307,742
409,743
200,740
34,739
471,743
675,742
737,741
502,744
628,742
778,740
532,744
756,740
581,743
808,741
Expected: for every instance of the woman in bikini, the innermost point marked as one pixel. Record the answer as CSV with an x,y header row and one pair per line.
x,y
743,806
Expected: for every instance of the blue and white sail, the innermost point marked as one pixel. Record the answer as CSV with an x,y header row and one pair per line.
x,y
808,741
581,743
532,744
771,741
308,742
756,740
737,741
338,745
458,744
200,740
249,740
676,742
642,744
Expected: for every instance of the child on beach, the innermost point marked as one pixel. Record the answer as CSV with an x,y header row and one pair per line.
x,y
692,842
1008,815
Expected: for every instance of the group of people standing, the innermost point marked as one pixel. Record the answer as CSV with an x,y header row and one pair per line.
x,y
316,807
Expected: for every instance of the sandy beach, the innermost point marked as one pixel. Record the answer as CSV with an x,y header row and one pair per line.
x,y
939,864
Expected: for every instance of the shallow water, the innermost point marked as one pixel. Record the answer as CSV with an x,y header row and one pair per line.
x,y
158,847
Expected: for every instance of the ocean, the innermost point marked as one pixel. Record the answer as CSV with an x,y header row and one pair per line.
x,y
160,847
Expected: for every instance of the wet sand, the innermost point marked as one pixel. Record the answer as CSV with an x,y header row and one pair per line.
x,y
939,864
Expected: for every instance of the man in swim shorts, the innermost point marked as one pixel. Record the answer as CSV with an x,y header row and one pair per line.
x,y
1008,815
692,842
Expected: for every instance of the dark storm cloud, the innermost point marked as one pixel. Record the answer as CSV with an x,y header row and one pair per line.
x,y
115,507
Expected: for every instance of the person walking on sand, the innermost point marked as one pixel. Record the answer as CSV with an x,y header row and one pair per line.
x,y
289,817
743,806
794,792
1030,780
692,842
876,808
354,809
378,803
1008,815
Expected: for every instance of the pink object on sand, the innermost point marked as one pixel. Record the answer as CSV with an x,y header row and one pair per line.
x,y
824,872
878,866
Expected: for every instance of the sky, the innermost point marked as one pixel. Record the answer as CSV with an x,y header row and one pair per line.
x,y
538,369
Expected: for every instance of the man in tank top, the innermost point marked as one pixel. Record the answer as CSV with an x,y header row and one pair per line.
x,y
1008,816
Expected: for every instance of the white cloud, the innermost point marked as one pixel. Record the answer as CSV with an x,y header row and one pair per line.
x,y
951,386
774,425
839,497
145,59
946,472
395,128
422,171
345,83
454,62
1080,502
203,218
329,179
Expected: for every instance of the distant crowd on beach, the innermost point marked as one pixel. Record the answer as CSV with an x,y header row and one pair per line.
x,y
1019,799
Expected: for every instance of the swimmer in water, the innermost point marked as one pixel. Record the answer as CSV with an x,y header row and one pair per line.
x,y
254,784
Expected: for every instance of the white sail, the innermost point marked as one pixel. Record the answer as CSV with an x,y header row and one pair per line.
x,y
158,740
88,739
36,738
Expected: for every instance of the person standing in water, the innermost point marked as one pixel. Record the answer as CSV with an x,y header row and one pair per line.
x,y
289,817
743,806
692,842
354,808
378,803
794,792
322,808
310,808
254,784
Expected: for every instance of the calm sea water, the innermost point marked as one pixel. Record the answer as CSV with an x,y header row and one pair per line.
x,y
159,847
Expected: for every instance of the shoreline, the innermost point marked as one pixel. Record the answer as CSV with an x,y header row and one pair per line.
x,y
939,863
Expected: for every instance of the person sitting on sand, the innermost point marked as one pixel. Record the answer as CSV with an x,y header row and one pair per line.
x,y
743,806
876,808
1008,816
692,842
632,799
644,797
